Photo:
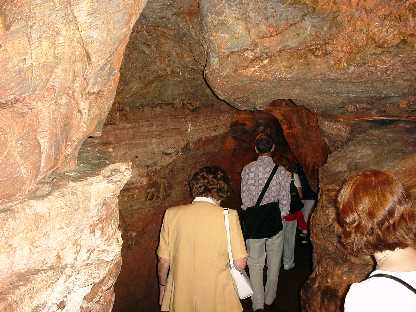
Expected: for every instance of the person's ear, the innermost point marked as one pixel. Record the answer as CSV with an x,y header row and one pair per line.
x,y
272,150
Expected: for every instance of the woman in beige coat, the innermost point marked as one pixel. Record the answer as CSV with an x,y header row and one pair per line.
x,y
193,260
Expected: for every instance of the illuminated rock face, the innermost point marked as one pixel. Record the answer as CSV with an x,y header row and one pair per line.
x,y
319,53
61,248
59,72
391,148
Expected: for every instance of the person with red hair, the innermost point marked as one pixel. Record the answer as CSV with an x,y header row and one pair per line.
x,y
378,218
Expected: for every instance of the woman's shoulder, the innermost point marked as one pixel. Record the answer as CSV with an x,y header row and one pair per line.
x,y
381,294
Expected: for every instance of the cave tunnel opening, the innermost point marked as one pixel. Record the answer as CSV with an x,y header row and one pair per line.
x,y
166,146
168,122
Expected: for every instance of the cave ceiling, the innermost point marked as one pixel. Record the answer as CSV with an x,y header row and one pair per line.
x,y
165,57
333,57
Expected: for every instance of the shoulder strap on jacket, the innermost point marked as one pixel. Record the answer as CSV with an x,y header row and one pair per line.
x,y
266,186
395,279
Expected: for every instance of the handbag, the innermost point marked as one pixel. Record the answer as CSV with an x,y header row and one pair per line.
x,y
241,281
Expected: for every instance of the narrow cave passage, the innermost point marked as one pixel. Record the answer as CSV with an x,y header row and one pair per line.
x,y
165,149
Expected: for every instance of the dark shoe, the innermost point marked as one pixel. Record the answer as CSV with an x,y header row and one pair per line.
x,y
268,307
259,310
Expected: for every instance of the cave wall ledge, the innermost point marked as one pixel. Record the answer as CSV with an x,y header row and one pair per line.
x,y
60,249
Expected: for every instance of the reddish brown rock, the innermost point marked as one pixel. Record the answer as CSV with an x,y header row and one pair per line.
x,y
60,68
259,51
61,248
388,147
335,133
302,132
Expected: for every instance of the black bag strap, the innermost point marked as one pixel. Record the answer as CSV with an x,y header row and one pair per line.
x,y
266,186
395,279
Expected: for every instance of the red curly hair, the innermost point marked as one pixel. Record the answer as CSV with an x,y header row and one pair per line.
x,y
375,213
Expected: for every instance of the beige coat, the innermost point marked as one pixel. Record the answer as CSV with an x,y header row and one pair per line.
x,y
193,238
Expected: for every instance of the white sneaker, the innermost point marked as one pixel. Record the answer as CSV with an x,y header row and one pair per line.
x,y
289,267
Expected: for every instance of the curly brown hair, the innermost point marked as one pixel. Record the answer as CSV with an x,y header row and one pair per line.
x,y
375,213
211,182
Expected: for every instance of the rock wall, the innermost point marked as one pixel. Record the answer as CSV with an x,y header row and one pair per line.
x,y
60,242
165,58
303,50
60,68
389,147
60,250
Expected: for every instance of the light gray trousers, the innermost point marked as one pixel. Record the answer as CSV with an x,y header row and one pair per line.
x,y
308,205
258,251
289,239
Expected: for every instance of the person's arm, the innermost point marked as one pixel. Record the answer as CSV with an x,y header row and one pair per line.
x,y
162,272
237,242
298,185
163,256
245,197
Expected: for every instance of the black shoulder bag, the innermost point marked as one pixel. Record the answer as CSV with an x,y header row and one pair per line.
x,y
263,221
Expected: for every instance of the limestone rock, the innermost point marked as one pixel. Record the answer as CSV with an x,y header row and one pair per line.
x,y
165,58
316,52
388,147
60,68
61,248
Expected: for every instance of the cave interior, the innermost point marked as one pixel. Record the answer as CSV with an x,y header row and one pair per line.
x,y
107,108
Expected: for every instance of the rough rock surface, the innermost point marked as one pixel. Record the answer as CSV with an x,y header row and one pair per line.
x,y
59,71
61,248
166,145
303,135
303,50
165,58
388,147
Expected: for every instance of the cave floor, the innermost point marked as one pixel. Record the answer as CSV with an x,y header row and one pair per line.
x,y
290,282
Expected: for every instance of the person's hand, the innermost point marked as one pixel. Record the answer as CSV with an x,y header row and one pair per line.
x,y
161,293
240,264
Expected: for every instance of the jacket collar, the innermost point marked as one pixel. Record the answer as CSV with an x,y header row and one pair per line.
x,y
204,199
